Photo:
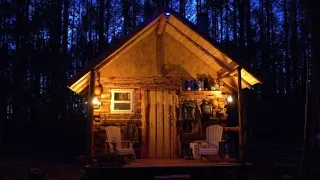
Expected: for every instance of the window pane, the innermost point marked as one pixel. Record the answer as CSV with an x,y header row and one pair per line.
x,y
119,96
122,106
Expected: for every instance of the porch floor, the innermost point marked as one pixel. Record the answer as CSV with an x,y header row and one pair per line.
x,y
149,168
176,162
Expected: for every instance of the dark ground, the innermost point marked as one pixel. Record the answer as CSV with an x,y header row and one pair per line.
x,y
18,168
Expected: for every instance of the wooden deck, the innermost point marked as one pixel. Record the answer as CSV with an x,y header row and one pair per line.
x,y
176,162
149,168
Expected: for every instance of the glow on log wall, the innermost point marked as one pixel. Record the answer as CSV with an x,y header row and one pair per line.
x,y
180,62
137,61
103,116
136,68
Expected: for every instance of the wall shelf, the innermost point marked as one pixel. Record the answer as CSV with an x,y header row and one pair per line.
x,y
202,94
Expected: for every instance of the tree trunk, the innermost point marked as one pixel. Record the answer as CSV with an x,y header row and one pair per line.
x,y
221,24
4,56
101,25
314,122
125,13
234,26
107,20
56,74
227,22
294,49
134,14
285,44
182,7
250,44
19,70
262,41
241,26
65,27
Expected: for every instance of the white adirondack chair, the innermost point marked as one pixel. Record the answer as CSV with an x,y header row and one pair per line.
x,y
113,139
211,145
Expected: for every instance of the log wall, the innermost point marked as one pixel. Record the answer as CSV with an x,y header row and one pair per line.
x,y
103,116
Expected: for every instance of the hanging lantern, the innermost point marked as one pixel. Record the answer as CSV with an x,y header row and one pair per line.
x,y
98,90
95,101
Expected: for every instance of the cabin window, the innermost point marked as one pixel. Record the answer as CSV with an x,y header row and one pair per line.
x,y
121,101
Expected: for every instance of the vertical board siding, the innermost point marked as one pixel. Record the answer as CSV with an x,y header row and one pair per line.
x,y
161,124
159,135
166,124
152,124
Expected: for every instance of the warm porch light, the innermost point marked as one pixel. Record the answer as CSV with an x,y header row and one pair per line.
x,y
229,99
96,101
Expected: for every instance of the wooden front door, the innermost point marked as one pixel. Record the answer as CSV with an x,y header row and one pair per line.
x,y
161,120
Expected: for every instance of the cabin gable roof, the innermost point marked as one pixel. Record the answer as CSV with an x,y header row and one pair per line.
x,y
183,31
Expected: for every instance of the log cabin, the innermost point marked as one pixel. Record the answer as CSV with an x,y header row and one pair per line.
x,y
143,81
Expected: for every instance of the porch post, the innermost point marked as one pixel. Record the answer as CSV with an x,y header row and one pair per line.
x,y
89,135
240,118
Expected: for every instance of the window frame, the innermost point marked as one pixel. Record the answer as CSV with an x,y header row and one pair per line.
x,y
112,110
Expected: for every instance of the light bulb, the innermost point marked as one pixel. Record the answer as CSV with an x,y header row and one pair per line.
x,y
95,101
229,99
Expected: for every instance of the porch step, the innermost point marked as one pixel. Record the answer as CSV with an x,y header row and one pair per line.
x,y
174,177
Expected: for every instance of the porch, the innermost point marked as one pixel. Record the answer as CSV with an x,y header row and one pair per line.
x,y
152,168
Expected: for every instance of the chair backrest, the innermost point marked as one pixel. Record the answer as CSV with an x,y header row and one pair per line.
x,y
214,135
113,133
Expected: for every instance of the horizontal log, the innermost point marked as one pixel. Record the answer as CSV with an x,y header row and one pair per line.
x,y
202,95
147,80
160,87
159,83
96,113
237,128
120,122
105,116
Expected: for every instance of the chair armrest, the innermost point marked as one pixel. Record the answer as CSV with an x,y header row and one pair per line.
x,y
216,146
207,144
128,141
131,143
204,144
111,144
200,141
